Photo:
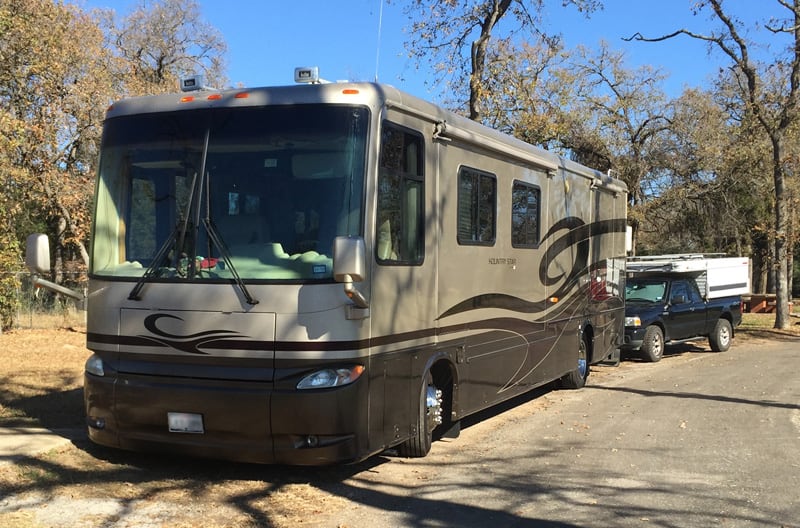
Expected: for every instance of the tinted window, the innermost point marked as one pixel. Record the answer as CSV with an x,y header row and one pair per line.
x,y
477,202
525,199
400,236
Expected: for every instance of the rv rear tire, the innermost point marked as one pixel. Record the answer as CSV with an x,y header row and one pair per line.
x,y
577,378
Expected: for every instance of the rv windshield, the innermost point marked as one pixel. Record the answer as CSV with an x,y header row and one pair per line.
x,y
189,195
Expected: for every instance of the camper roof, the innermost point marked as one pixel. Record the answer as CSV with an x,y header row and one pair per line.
x,y
679,263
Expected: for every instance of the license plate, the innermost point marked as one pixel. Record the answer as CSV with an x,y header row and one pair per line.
x,y
185,423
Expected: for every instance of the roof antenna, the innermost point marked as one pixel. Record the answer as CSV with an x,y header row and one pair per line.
x,y
378,51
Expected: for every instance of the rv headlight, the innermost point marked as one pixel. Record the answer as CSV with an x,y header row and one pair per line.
x,y
326,378
94,365
633,321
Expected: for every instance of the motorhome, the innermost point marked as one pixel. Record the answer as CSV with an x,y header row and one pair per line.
x,y
316,273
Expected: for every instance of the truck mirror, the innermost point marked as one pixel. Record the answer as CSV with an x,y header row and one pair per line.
x,y
37,254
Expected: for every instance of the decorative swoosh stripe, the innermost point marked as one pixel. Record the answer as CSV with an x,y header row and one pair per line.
x,y
520,326
577,235
496,300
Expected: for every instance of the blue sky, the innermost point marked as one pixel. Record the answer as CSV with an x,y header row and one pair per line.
x,y
267,39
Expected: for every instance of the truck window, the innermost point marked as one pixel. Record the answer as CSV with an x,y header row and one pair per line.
x,y
680,289
694,294
687,289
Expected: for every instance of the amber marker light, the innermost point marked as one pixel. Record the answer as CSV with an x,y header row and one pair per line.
x,y
187,98
215,97
350,91
553,299
242,95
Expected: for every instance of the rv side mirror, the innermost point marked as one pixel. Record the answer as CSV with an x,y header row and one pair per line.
x,y
37,254
349,259
349,266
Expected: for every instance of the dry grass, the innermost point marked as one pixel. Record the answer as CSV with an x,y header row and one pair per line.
x,y
763,326
67,317
41,377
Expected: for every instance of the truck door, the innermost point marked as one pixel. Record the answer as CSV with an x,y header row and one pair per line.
x,y
687,310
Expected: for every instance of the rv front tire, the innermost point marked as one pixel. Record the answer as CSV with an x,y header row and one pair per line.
x,y
429,415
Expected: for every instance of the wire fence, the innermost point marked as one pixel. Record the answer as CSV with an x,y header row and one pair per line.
x,y
39,307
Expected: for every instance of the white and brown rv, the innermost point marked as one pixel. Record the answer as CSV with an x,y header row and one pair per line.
x,y
316,273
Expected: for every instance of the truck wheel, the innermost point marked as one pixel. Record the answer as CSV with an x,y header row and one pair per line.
x,y
720,339
577,378
653,344
428,417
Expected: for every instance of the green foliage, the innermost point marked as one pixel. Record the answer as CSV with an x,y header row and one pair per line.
x,y
9,281
60,67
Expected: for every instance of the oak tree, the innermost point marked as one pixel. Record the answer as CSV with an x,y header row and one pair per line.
x,y
456,36
161,41
774,106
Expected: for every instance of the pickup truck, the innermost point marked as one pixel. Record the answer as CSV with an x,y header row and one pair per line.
x,y
663,307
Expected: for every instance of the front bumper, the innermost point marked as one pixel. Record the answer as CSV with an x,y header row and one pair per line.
x,y
246,421
634,337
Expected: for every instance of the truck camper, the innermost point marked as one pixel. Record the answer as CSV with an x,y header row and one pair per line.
x,y
683,297
316,273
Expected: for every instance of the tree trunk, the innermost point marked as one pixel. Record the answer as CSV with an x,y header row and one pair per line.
x,y
781,241
478,59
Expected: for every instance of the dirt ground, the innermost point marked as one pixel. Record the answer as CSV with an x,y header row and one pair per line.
x,y
41,374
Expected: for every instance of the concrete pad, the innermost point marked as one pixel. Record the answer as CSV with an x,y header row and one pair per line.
x,y
20,442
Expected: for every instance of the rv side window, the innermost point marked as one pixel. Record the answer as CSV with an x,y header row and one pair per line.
x,y
525,199
477,202
400,235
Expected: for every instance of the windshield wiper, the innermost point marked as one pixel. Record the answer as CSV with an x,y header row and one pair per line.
x,y
180,229
176,239
155,264
178,235
226,258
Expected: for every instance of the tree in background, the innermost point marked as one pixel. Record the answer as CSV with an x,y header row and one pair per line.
x,y
59,71
524,94
10,201
618,122
158,43
456,37
770,92
53,90
716,193
586,104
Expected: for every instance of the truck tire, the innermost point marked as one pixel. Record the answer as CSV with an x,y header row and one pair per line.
x,y
720,338
653,344
577,378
